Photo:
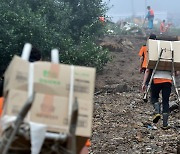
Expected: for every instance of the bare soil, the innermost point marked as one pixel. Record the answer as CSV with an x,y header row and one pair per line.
x,y
122,122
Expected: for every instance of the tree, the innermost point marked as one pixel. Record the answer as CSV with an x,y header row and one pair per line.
x,y
64,24
85,19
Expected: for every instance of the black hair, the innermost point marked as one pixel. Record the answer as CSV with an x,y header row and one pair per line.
x,y
35,55
152,36
148,7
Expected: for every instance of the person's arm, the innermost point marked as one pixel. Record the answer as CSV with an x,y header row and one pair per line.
x,y
141,52
177,73
148,14
85,148
1,86
161,28
146,74
164,28
141,59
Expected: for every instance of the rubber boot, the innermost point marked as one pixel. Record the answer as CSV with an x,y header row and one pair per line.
x,y
157,107
165,121
157,116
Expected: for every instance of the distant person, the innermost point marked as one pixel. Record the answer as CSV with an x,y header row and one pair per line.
x,y
102,19
150,17
168,26
163,27
143,58
143,54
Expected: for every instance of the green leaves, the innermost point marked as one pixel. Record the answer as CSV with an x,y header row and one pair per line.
x,y
86,53
72,26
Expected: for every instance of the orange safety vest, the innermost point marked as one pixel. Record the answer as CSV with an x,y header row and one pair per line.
x,y
88,143
102,19
143,52
161,80
162,27
151,12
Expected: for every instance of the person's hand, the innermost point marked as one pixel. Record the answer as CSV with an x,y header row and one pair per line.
x,y
141,70
177,73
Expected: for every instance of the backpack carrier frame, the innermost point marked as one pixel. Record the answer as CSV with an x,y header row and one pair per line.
x,y
145,97
14,131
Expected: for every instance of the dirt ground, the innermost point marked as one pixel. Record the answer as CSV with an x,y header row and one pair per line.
x,y
124,66
122,122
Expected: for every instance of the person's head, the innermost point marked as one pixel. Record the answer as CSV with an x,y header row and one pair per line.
x,y
148,7
152,37
164,21
35,55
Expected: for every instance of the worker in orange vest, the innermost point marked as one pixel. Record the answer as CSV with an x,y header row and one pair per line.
x,y
102,19
162,82
150,17
162,27
143,58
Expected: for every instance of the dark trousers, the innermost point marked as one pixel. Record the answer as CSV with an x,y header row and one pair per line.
x,y
166,91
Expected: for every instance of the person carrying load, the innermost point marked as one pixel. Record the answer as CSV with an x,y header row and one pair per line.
x,y
162,81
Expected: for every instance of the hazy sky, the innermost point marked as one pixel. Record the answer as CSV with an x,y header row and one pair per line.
x,y
118,7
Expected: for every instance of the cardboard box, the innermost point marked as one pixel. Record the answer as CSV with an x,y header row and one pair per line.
x,y
154,51
51,110
53,79
51,85
16,75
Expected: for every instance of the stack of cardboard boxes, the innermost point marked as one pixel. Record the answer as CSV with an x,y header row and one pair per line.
x,y
154,49
51,86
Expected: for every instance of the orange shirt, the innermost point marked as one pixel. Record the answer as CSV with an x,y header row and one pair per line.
x,y
88,143
1,105
143,52
161,80
162,27
151,12
102,19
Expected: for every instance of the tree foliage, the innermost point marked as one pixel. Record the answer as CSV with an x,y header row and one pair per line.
x,y
72,26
